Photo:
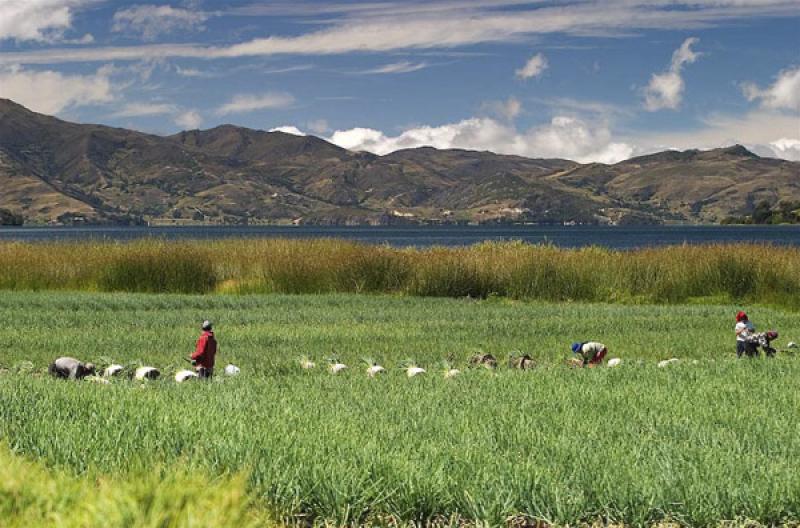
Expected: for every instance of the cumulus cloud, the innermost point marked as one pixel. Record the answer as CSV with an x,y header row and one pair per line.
x,y
51,92
576,139
144,110
785,148
456,26
37,20
319,126
535,66
248,102
783,93
563,137
508,109
288,129
189,120
584,136
151,21
665,90
765,132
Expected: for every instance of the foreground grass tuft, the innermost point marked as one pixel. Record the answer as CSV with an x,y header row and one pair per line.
x,y
33,496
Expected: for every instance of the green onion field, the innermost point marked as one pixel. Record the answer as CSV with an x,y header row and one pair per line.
x,y
703,442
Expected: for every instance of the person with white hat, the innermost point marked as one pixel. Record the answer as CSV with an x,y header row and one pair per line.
x,y
205,352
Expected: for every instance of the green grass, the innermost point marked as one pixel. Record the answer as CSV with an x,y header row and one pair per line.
x,y
31,495
696,443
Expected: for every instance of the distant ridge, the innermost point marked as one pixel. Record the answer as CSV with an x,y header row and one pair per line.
x,y
53,171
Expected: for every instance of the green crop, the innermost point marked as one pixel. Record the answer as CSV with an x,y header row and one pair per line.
x,y
697,443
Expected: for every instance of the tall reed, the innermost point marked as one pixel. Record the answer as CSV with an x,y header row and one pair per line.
x,y
742,272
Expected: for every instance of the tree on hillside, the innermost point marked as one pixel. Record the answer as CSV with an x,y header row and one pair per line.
x,y
762,214
10,218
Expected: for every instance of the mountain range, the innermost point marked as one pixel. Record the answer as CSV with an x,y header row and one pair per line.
x,y
53,171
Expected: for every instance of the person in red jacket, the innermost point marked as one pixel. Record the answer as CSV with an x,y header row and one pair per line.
x,y
205,352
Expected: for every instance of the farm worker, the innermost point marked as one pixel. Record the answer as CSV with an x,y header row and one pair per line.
x,y
70,368
744,330
590,353
205,352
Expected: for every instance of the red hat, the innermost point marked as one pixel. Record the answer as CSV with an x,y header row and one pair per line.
x,y
741,316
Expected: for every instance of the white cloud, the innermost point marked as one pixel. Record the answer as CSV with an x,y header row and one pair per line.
x,y
287,129
587,139
665,90
144,110
783,93
508,109
456,26
192,72
398,67
578,140
785,148
88,38
51,92
319,126
247,102
151,21
189,120
535,66
563,137
37,20
766,133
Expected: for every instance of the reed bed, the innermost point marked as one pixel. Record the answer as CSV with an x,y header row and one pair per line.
x,y
741,272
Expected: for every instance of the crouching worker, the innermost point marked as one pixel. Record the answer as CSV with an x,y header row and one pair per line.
x,y
70,368
589,354
205,352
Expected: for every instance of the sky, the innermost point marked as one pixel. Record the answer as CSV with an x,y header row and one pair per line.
x,y
576,79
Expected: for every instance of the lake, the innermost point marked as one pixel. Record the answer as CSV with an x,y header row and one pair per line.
x,y
565,236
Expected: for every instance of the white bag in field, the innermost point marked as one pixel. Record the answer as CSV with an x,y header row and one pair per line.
x,y
146,373
374,370
337,367
232,370
414,371
112,370
185,375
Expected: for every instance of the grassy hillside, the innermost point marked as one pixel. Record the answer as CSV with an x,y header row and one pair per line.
x,y
693,443
55,171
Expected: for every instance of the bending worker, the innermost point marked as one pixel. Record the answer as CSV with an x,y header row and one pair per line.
x,y
70,368
205,352
590,354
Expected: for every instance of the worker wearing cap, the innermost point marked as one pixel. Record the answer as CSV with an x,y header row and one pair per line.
x,y
744,330
591,353
205,352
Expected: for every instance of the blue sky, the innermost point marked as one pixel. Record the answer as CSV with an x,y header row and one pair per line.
x,y
584,80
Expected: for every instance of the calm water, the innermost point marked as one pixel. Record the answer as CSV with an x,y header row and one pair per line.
x,y
615,237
